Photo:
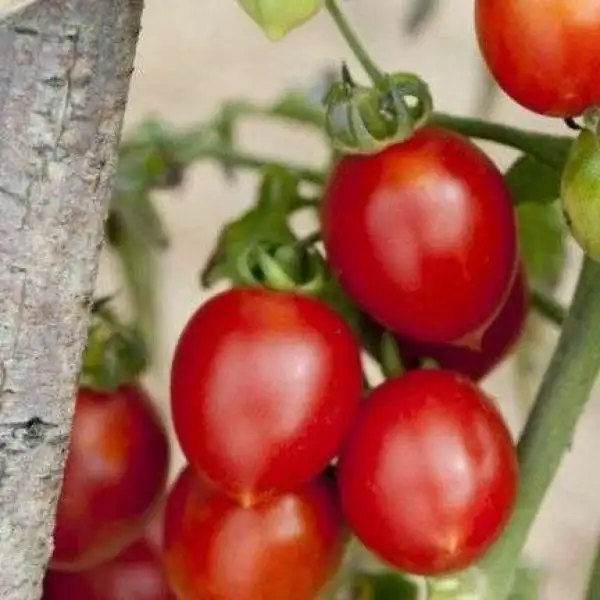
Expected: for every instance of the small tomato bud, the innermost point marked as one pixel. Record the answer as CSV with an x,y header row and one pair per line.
x,y
278,17
580,192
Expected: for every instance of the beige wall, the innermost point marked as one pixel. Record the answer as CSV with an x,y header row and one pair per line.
x,y
195,53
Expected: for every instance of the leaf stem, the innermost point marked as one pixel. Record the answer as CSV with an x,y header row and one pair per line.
x,y
238,159
548,307
548,433
593,588
548,149
353,41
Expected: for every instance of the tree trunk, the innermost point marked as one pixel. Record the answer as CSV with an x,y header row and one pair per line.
x,y
65,67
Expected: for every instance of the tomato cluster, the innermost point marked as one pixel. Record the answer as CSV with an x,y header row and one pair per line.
x,y
106,545
136,573
286,449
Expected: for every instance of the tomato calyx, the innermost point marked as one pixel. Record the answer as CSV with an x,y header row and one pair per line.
x,y
283,267
278,198
115,353
365,120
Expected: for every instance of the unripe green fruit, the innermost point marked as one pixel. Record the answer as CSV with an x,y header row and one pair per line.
x,y
278,17
580,192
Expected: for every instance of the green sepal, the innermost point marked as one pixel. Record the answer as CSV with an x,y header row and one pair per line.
x,y
365,120
267,220
115,353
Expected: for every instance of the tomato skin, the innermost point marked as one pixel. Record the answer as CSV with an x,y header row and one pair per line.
x,y
545,54
286,548
496,344
264,387
423,236
136,573
428,478
116,471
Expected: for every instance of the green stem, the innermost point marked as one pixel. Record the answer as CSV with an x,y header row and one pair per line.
x,y
548,434
593,588
548,149
548,307
245,160
352,39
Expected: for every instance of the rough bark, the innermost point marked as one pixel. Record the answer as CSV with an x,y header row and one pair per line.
x,y
65,67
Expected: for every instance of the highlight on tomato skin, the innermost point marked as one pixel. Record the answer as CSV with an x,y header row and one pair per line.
x,y
116,472
544,54
137,573
497,342
429,475
423,236
264,387
285,548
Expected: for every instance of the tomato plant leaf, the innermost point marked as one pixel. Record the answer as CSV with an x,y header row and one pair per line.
x,y
542,235
533,181
138,262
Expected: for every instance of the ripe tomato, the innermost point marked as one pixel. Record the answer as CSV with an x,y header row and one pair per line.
x,y
429,475
264,387
423,236
545,54
135,574
115,472
285,548
496,343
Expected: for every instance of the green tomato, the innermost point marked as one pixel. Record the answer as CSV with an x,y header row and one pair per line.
x,y
278,17
580,192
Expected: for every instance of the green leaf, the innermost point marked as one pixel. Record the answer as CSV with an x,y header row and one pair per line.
x,y
533,181
138,261
384,585
542,233
542,237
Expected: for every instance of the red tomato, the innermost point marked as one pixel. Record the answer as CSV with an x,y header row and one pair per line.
x,y
116,471
429,476
545,54
423,236
285,548
496,344
136,574
264,387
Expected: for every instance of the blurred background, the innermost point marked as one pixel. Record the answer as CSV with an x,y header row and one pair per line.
x,y
195,54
